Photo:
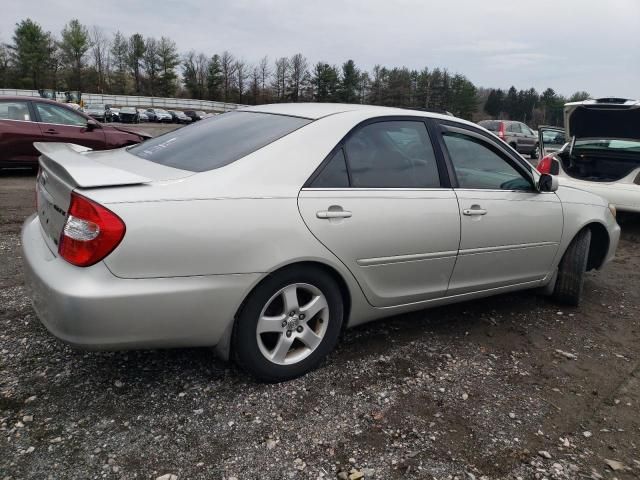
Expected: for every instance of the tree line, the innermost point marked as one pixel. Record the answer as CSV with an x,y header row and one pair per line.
x,y
90,60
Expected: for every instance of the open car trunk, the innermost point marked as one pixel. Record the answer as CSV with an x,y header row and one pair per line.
x,y
600,166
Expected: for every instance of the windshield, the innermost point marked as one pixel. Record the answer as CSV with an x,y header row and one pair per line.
x,y
128,110
217,141
609,144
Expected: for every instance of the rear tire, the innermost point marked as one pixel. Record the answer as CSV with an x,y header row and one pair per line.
x,y
571,270
272,344
534,154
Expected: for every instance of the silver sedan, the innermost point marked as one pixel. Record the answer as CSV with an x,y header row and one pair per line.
x,y
265,231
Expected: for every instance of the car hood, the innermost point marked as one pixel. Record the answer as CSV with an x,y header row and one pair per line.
x,y
603,121
128,130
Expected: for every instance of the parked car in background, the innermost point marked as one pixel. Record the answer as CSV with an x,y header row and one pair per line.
x,y
179,117
266,230
602,152
195,115
129,115
24,120
99,111
516,134
159,115
115,114
142,115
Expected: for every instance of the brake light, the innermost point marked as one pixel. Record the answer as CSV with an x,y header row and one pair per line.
x,y
544,165
90,233
501,131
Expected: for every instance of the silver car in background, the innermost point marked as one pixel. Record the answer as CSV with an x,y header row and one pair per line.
x,y
267,230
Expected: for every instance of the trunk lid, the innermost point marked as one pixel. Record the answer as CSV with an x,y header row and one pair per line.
x,y
606,118
65,167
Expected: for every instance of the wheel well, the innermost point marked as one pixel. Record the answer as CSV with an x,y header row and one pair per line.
x,y
599,245
342,285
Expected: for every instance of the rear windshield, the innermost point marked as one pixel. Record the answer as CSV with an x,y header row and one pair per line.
x,y
217,141
490,125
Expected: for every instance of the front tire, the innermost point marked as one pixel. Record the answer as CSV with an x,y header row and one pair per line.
x,y
572,268
288,324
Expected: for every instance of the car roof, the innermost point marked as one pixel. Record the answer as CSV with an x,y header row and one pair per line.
x,y
315,111
25,98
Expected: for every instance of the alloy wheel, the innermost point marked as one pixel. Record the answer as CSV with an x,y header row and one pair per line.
x,y
292,324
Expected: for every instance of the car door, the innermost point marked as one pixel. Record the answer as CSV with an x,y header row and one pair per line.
x,y
550,139
510,232
61,124
18,131
382,204
514,132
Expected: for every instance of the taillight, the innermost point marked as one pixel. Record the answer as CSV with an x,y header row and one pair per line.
x,y
544,165
501,133
90,233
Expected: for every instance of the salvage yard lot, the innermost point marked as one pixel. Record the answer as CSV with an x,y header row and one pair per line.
x,y
506,387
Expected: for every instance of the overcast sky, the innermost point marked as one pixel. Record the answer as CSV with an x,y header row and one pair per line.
x,y
568,45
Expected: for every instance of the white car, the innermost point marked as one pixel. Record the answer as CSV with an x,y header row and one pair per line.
x,y
264,231
602,150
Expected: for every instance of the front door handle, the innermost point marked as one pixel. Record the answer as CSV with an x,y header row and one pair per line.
x,y
474,210
333,214
51,131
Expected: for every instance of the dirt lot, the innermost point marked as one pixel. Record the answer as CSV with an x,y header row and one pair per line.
x,y
476,390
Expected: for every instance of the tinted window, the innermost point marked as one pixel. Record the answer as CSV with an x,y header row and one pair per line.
x,y
490,125
396,154
334,174
478,166
59,115
14,111
217,141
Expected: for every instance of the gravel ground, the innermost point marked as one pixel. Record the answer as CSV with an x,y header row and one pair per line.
x,y
507,387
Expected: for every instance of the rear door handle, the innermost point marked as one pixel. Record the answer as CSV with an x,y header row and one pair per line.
x,y
333,214
51,131
474,211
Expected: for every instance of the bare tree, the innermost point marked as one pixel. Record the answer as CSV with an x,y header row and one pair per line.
x,y
151,64
280,78
299,73
241,78
265,74
228,70
100,46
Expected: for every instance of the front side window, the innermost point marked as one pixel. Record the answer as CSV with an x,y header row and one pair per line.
x,y
478,166
59,115
15,111
393,154
217,141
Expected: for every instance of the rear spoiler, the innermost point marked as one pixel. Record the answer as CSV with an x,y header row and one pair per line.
x,y
69,162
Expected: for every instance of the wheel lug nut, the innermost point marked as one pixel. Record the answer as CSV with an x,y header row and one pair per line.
x,y
301,316
299,329
292,314
288,333
284,324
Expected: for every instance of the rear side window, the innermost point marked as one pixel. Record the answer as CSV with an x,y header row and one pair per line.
x,y
392,154
14,111
217,141
334,174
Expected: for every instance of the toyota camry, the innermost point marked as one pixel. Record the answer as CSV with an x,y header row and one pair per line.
x,y
266,231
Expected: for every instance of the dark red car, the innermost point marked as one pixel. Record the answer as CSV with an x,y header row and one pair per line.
x,y
24,120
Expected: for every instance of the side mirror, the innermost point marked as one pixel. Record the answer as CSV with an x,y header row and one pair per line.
x,y
547,183
92,125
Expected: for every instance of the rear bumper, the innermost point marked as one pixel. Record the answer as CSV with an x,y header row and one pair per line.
x,y
91,308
